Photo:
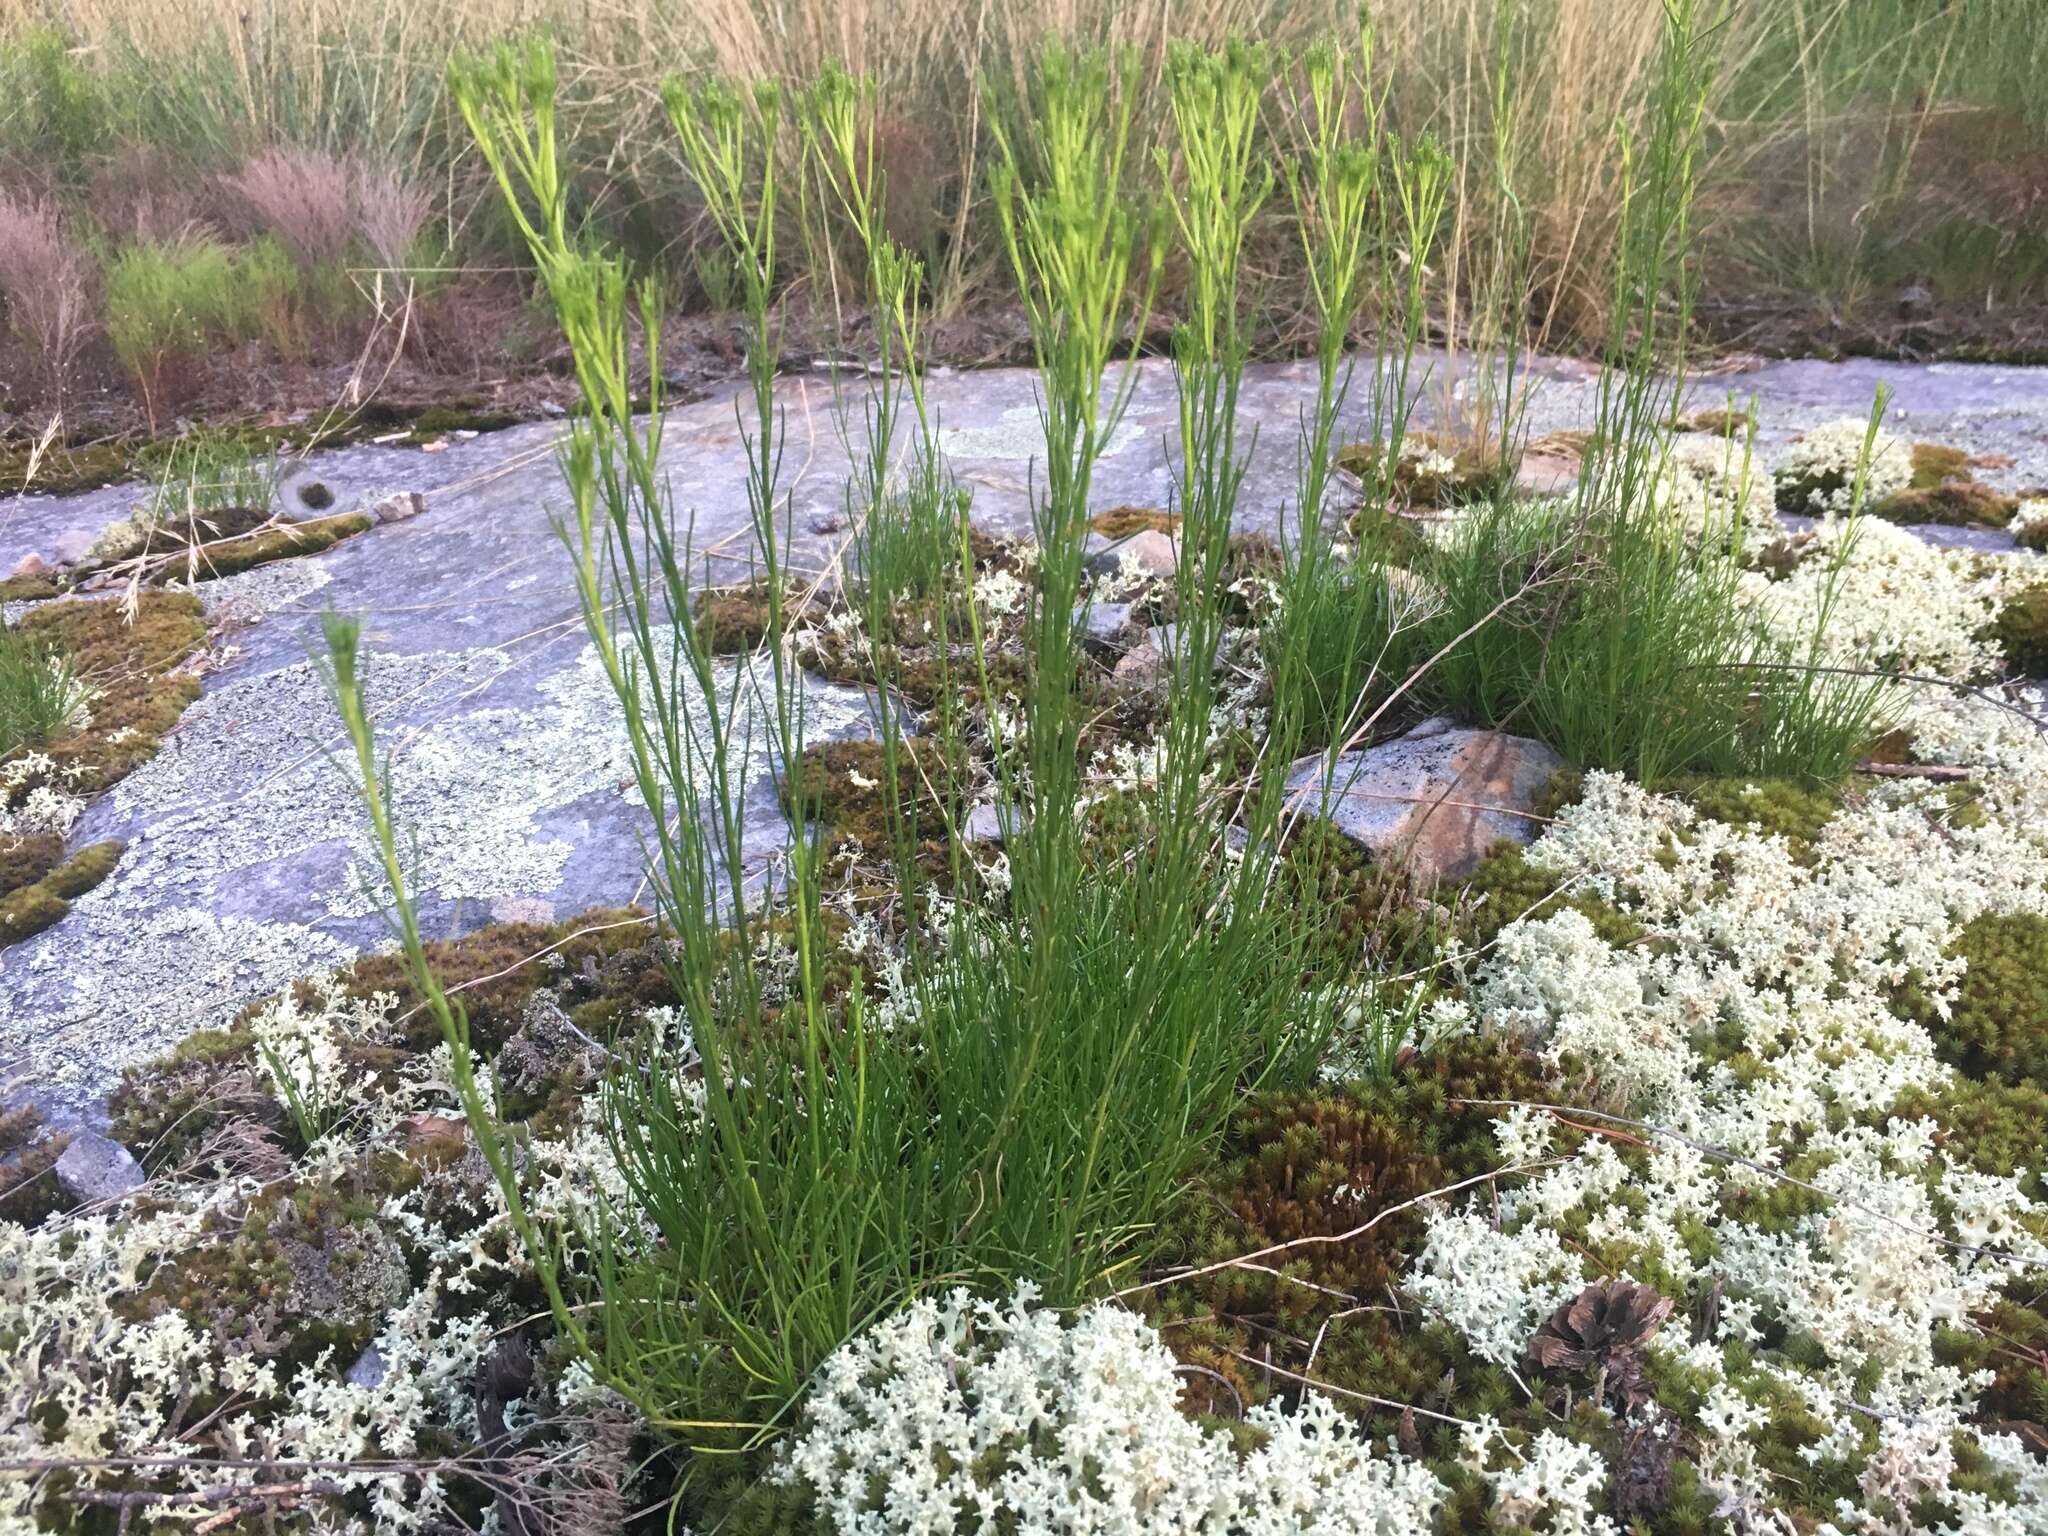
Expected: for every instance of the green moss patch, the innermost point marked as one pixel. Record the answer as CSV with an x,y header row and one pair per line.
x,y
1475,472
1943,490
733,620
65,469
844,785
1776,807
1122,522
193,549
28,589
2021,630
1320,1165
28,1168
1997,1029
32,908
603,963
494,971
132,662
1506,886
25,860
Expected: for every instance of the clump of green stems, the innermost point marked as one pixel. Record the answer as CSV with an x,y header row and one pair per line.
x,y
773,1245
1075,248
1060,1061
907,537
1215,99
41,694
1631,648
1054,1061
1589,622
209,471
1370,210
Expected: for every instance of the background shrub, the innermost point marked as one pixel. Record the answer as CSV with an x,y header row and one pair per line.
x,y
167,301
46,282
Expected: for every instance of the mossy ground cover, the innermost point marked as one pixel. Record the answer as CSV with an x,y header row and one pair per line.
x,y
1944,489
32,906
65,469
131,664
134,662
1435,471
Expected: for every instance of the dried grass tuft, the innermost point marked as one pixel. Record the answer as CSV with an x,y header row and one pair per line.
x,y
306,200
45,279
390,211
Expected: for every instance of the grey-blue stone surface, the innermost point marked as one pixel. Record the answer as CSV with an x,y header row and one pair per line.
x,y
246,843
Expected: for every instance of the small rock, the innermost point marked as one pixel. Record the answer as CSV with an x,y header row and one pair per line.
x,y
1164,637
399,507
553,408
31,565
1546,474
73,546
1437,798
522,909
1104,627
1142,667
369,1370
96,1168
1152,552
984,824
433,1141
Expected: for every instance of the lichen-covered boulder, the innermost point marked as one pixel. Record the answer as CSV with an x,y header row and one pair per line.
x,y
1436,799
95,1168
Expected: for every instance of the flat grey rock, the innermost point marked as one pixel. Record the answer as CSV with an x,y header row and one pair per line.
x,y
510,778
369,1370
984,824
1148,551
1436,799
93,1168
1104,628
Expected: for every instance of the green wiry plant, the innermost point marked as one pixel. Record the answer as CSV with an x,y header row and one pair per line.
x,y
343,672
1637,648
41,693
763,1196
1077,251
1215,98
1330,637
906,535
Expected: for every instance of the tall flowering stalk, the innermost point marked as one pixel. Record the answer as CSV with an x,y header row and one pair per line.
x,y
1079,254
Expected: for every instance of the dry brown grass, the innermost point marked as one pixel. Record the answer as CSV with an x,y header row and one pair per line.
x,y
390,213
362,80
305,200
45,279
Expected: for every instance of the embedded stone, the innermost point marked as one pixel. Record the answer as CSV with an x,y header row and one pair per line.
x,y
1103,628
399,507
29,565
984,824
94,1169
1151,552
1143,666
1436,799
369,1370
